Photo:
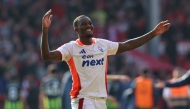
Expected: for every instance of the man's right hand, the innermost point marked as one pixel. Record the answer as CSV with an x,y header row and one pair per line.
x,y
46,20
160,84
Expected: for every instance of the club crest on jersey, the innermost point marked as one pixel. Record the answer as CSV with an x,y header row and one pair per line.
x,y
100,49
82,51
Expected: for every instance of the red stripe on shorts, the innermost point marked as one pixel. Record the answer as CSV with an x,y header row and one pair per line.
x,y
81,101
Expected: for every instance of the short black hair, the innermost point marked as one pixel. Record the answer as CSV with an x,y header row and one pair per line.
x,y
146,71
75,22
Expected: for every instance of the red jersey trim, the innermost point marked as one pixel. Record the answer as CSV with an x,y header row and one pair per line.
x,y
76,86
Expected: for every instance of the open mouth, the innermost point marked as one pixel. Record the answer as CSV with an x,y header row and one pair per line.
x,y
89,30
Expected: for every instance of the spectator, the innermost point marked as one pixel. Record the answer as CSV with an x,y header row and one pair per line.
x,y
142,87
13,95
177,98
50,90
66,87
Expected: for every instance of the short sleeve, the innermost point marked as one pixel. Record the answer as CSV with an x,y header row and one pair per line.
x,y
112,47
65,51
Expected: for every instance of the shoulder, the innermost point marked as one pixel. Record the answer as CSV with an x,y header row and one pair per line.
x,y
100,39
71,43
103,41
68,45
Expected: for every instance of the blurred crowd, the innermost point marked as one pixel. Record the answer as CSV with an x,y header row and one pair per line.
x,y
116,20
178,13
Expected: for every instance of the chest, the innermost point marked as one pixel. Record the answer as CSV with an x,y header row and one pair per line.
x,y
93,55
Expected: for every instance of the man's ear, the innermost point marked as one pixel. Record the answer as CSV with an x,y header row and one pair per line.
x,y
76,30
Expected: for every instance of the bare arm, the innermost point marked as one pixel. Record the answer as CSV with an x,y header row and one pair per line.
x,y
44,46
118,77
136,42
25,104
41,103
184,80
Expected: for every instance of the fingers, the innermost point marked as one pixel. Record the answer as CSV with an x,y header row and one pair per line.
x,y
50,17
166,21
47,14
166,24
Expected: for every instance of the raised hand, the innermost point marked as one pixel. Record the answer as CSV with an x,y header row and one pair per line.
x,y
162,27
46,20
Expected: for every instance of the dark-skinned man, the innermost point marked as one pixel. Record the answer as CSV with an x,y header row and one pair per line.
x,y
87,59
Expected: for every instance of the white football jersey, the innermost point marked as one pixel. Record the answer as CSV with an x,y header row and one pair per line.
x,y
88,66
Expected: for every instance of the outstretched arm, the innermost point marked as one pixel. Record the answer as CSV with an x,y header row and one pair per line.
x,y
136,42
123,78
41,102
44,46
184,80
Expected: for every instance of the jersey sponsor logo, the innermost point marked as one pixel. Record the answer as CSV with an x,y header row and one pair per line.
x,y
82,51
87,56
93,62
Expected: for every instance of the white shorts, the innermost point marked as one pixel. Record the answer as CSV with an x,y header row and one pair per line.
x,y
89,103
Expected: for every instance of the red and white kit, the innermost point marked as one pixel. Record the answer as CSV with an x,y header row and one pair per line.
x,y
88,65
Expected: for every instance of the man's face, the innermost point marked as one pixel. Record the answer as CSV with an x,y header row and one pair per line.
x,y
85,27
176,74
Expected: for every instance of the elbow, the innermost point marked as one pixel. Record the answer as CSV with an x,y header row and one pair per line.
x,y
45,57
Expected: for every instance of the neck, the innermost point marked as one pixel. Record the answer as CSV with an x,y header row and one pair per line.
x,y
86,41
